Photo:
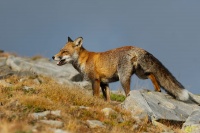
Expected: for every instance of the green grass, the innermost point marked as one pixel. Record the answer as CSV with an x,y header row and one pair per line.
x,y
117,97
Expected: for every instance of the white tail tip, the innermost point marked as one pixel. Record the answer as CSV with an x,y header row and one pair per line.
x,y
184,95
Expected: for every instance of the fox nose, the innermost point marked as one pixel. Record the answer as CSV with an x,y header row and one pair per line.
x,y
53,57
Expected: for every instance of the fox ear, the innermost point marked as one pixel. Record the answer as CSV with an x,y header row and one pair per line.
x,y
78,42
69,39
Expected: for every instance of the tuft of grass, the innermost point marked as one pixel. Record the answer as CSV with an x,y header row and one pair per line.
x,y
117,97
36,103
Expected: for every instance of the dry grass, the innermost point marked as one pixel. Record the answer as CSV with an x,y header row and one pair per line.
x,y
16,104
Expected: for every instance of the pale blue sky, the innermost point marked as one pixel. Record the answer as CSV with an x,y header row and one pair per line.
x,y
169,29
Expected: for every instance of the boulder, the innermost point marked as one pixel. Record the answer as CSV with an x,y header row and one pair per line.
x,y
192,124
44,114
5,84
2,61
95,124
62,74
27,88
43,67
53,123
108,111
157,106
59,130
39,115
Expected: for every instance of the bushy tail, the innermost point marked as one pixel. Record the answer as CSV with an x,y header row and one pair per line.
x,y
163,76
165,79
169,83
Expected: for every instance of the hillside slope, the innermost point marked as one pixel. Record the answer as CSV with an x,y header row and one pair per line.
x,y
38,103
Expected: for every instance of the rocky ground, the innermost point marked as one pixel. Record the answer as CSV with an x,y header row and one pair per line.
x,y
38,96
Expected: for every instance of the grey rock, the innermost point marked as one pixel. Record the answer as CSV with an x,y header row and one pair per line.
x,y
62,74
83,107
95,124
138,106
108,111
59,131
194,118
45,113
157,106
5,71
39,115
196,98
135,126
27,88
56,113
37,81
195,128
54,123
40,67
192,124
2,61
22,80
5,84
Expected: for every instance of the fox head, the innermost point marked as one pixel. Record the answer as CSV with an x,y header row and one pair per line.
x,y
69,52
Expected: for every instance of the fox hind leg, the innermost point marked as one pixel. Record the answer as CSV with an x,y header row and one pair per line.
x,y
106,91
155,83
125,82
125,72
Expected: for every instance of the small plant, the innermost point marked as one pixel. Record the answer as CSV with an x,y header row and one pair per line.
x,y
117,97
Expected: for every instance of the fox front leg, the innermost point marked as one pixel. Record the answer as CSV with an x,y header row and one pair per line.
x,y
96,87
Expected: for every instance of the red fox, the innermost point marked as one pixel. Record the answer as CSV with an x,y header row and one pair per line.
x,y
119,64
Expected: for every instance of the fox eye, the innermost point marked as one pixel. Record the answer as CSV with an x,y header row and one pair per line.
x,y
65,51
